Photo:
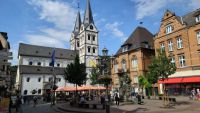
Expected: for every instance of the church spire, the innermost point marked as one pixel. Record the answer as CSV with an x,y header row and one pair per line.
x,y
77,23
88,18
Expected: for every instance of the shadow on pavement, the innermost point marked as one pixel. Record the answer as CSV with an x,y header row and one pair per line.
x,y
138,110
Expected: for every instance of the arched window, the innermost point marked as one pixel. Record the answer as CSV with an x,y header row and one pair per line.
x,y
124,65
25,92
91,27
39,79
39,63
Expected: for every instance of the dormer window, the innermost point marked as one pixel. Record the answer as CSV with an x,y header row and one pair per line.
x,y
168,29
198,18
124,48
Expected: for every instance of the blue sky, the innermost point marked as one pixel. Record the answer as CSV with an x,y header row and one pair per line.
x,y
50,22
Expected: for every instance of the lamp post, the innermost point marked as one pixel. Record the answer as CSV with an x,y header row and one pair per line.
x,y
104,77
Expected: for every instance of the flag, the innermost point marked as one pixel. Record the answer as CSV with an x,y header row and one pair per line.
x,y
53,58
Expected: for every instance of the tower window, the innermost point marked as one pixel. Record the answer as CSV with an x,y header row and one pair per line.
x,y
88,49
179,43
91,27
88,37
78,45
58,65
93,38
94,50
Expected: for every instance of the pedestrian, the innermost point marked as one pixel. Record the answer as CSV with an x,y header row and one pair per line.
x,y
138,96
117,98
18,104
24,99
34,101
193,94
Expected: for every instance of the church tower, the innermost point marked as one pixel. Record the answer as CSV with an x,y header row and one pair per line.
x,y
74,40
88,39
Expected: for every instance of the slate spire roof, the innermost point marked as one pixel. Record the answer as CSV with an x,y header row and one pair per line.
x,y
77,24
140,38
88,18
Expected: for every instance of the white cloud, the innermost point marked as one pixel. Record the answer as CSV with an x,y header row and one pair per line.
x,y
148,7
114,28
60,17
194,4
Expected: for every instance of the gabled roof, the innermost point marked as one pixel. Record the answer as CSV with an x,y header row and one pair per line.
x,y
88,18
138,39
41,51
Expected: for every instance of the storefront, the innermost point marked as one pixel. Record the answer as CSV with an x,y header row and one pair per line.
x,y
181,86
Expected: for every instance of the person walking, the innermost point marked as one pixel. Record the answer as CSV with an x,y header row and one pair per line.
x,y
34,101
18,104
117,98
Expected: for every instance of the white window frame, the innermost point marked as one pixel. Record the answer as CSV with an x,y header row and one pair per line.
x,y
136,79
170,45
168,29
179,43
198,37
134,63
124,65
198,18
172,60
89,49
182,61
162,46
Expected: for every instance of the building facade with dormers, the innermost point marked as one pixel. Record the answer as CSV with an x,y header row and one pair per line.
x,y
85,39
179,36
133,58
35,71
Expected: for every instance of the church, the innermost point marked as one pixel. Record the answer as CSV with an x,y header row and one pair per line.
x,y
34,73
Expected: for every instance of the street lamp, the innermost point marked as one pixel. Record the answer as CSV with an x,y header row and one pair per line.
x,y
104,77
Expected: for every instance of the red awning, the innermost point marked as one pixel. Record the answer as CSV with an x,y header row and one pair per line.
x,y
180,80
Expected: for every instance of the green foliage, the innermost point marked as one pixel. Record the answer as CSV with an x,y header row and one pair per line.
x,y
94,76
75,72
143,82
160,68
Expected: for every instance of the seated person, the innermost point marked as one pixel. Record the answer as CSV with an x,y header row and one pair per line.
x,y
82,100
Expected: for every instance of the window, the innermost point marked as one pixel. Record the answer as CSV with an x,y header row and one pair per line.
x,y
125,48
39,79
198,37
91,27
59,79
93,38
78,45
182,60
94,50
88,49
168,29
39,91
28,79
135,79
179,43
172,60
49,63
124,65
58,64
116,68
198,18
88,37
135,64
50,79
162,47
170,45
39,63
30,63
25,92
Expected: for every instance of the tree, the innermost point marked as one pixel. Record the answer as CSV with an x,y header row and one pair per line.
x,y
76,73
160,68
125,84
144,83
94,76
